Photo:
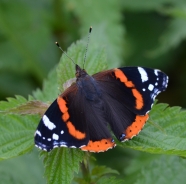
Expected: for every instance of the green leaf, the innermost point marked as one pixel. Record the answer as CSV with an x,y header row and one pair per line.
x,y
110,180
164,133
146,5
138,161
12,103
32,27
175,12
151,168
26,36
106,32
16,136
31,107
171,38
20,105
143,5
60,164
7,178
102,170
166,169
50,89
28,168
95,61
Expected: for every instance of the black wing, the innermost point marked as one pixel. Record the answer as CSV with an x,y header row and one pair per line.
x,y
73,121
129,94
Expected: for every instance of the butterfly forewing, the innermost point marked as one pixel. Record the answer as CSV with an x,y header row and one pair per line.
x,y
135,87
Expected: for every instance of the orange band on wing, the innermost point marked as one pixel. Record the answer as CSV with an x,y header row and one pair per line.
x,y
63,108
139,100
62,104
99,146
120,75
75,133
65,117
136,126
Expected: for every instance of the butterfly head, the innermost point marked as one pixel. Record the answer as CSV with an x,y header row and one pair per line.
x,y
80,73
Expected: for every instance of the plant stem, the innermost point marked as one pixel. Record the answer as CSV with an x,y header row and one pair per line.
x,y
85,170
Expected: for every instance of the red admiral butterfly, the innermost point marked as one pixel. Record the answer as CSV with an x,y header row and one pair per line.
x,y
80,117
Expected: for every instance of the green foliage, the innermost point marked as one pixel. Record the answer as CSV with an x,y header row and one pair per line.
x,y
12,103
170,168
60,164
154,37
110,180
50,88
16,135
159,169
172,37
107,31
16,170
95,62
20,105
160,135
151,168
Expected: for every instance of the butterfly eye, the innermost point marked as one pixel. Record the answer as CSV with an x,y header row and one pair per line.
x,y
77,74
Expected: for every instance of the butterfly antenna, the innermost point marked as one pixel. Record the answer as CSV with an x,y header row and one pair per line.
x,y
64,52
90,30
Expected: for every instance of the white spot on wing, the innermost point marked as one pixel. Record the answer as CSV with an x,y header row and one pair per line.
x,y
150,87
49,139
144,89
156,72
73,147
38,133
55,136
82,146
62,131
63,144
48,123
143,73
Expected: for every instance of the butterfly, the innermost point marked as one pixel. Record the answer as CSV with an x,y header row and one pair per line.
x,y
82,116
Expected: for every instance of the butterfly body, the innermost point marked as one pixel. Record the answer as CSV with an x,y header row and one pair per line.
x,y
87,86
118,99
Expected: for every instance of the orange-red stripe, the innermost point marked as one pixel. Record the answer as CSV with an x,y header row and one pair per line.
x,y
62,104
98,146
136,126
75,133
120,75
65,117
139,100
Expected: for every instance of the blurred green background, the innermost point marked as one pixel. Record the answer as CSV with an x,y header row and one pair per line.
x,y
142,32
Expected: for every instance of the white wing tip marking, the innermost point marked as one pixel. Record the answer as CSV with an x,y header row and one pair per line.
x,y
48,123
